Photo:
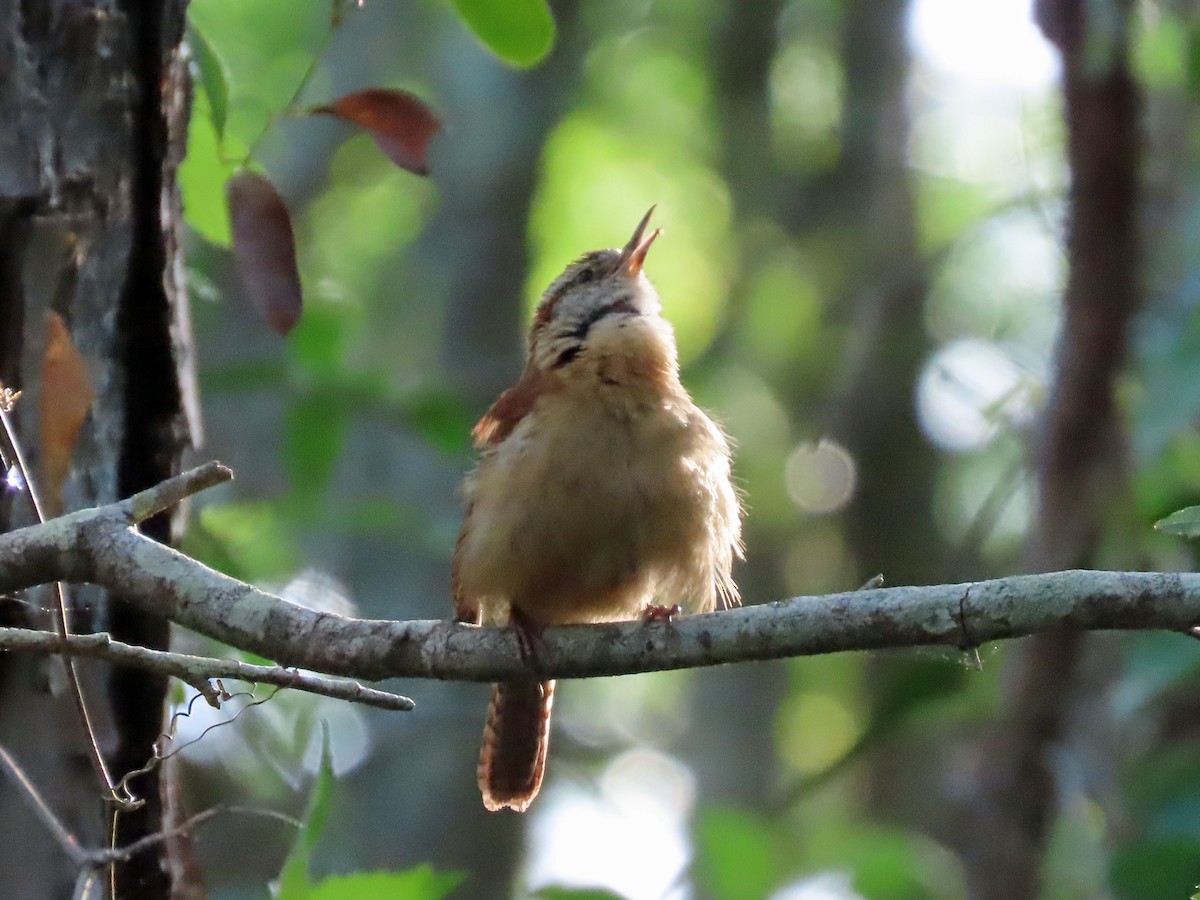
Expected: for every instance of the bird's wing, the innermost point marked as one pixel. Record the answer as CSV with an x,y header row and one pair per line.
x,y
508,410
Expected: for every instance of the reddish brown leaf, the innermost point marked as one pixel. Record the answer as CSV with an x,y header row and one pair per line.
x,y
65,402
265,249
400,123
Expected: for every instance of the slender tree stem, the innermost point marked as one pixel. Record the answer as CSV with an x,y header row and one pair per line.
x,y
62,623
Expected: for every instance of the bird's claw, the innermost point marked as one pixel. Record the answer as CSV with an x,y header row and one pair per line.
x,y
654,612
528,634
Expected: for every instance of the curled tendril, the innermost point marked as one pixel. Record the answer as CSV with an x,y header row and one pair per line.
x,y
159,753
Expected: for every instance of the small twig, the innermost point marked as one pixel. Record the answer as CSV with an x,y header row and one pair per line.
x,y
10,431
150,502
90,861
112,839
122,854
159,756
290,105
62,619
85,881
37,803
199,671
115,854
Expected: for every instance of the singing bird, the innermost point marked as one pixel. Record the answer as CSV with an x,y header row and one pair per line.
x,y
601,489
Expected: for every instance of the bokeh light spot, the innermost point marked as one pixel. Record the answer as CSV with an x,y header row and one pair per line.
x,y
820,476
814,730
968,390
637,817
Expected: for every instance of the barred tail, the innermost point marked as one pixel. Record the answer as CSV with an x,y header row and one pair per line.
x,y
515,739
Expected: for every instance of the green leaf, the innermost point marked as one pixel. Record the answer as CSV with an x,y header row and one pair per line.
x,y
313,436
293,881
1170,362
320,343
419,883
1155,868
202,180
1155,662
558,892
1192,60
887,864
915,682
248,538
214,78
520,32
440,417
242,376
1185,522
1160,53
737,854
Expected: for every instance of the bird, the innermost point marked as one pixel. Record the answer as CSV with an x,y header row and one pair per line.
x,y
600,489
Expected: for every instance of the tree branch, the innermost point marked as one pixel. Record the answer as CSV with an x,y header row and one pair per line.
x,y
99,546
37,803
197,671
150,502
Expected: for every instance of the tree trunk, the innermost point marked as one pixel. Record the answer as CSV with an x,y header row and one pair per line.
x,y
1081,458
94,104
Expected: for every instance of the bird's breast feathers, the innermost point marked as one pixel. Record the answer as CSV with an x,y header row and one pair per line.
x,y
583,513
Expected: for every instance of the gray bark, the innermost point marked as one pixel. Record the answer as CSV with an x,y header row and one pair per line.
x,y
99,546
88,229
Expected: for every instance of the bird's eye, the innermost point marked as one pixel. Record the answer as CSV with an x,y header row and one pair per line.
x,y
585,275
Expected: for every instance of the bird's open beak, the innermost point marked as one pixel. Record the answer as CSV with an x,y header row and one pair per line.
x,y
634,255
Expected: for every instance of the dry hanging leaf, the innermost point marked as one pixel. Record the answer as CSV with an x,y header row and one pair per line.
x,y
400,123
265,249
66,401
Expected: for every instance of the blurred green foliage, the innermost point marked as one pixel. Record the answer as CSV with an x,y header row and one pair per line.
x,y
294,878
418,883
742,856
566,893
518,31
353,431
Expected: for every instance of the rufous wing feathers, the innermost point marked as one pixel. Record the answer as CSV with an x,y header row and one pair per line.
x,y
508,410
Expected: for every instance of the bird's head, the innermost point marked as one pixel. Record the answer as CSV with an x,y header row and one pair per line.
x,y
601,316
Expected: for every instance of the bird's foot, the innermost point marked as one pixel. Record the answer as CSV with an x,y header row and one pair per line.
x,y
528,634
654,612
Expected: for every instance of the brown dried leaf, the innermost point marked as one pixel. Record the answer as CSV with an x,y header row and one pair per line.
x,y
65,403
264,246
400,123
